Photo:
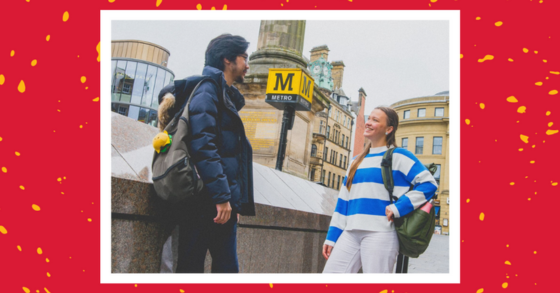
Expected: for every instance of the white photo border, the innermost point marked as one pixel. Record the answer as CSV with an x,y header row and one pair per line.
x,y
453,16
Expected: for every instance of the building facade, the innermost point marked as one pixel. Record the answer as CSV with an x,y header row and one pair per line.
x,y
138,73
424,130
331,140
280,45
358,108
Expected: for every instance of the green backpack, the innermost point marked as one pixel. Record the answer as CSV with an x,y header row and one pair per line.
x,y
414,230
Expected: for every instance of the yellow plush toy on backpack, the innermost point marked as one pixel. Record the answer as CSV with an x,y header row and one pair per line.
x,y
162,141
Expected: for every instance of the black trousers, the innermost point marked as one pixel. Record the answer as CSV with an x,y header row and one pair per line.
x,y
198,233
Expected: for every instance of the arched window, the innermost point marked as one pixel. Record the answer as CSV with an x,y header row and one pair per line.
x,y
313,150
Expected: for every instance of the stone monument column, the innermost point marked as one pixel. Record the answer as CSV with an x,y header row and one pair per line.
x,y
280,45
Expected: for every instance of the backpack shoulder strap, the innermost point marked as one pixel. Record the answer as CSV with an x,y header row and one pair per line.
x,y
387,172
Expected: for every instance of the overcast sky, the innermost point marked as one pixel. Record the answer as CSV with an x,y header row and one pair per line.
x,y
390,60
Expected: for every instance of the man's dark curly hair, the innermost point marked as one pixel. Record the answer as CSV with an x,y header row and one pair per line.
x,y
224,46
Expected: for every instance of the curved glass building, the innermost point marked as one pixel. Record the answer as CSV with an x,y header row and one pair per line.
x,y
138,73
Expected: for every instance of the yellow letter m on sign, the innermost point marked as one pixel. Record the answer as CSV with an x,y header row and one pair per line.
x,y
280,81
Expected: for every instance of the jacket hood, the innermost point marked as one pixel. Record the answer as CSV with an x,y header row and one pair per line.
x,y
233,93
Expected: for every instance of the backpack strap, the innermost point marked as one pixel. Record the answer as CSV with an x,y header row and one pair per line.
x,y
186,108
387,173
181,111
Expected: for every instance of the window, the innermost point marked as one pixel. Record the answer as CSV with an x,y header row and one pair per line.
x,y
328,131
139,81
321,126
323,177
338,182
436,150
128,81
344,166
119,80
405,143
406,114
439,112
329,182
343,140
336,117
312,175
122,110
143,115
149,85
340,162
419,146
422,112
313,150
159,85
437,174
152,120
347,142
133,112
325,154
330,112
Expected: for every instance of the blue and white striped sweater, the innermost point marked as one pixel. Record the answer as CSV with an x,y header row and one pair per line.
x,y
363,208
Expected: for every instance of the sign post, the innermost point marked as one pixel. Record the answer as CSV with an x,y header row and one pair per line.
x,y
288,89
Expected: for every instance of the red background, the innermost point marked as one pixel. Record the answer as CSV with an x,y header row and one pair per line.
x,y
43,124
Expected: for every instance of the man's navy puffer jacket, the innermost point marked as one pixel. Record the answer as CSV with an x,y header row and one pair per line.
x,y
219,147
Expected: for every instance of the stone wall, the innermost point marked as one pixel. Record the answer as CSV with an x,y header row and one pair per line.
x,y
286,236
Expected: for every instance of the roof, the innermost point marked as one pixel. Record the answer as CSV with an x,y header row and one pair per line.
x,y
445,93
318,48
362,90
338,63
339,92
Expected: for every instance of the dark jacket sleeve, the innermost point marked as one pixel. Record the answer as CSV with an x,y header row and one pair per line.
x,y
203,111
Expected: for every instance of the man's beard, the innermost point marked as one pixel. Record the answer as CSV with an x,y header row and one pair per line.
x,y
239,79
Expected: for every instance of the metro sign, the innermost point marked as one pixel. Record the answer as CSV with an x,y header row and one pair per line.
x,y
289,86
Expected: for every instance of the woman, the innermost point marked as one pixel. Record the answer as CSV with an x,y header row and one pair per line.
x,y
362,224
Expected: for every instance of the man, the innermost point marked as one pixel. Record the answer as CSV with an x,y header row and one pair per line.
x,y
223,158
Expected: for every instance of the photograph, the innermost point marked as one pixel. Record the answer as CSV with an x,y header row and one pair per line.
x,y
260,146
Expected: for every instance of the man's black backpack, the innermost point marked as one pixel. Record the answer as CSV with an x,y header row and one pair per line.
x,y
414,230
174,174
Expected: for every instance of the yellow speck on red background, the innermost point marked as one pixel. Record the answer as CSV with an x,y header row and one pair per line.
x,y
21,87
481,217
504,285
36,207
4,231
39,250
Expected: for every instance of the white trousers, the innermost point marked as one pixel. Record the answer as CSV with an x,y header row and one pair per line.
x,y
374,251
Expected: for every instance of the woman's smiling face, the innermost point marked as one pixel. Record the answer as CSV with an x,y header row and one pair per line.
x,y
376,125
